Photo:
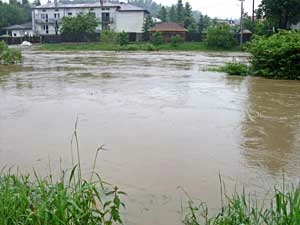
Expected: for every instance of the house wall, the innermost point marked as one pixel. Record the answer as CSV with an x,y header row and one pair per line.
x,y
21,33
130,21
44,17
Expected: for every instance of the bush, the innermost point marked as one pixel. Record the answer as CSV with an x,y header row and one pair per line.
x,y
235,68
9,56
123,38
157,38
220,36
107,36
175,40
277,56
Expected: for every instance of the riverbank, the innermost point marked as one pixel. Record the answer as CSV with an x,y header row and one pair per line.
x,y
187,46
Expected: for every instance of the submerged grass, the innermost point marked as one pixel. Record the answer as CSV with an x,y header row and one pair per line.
x,y
70,200
242,209
233,68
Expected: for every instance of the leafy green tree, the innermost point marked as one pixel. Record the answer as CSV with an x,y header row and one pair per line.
x,y
79,24
280,13
276,56
172,14
14,13
148,23
123,38
220,36
163,14
157,38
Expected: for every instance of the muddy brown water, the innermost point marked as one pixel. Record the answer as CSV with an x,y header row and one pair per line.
x,y
165,122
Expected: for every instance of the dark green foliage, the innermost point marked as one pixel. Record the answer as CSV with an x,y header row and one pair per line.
x,y
79,24
203,23
179,12
277,56
172,14
176,40
233,68
163,14
123,38
242,209
107,36
14,13
9,55
148,23
157,38
280,13
220,36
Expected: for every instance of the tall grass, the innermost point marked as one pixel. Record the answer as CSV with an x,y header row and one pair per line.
x,y
70,200
241,209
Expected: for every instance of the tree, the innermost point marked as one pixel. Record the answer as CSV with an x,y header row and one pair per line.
x,y
203,23
163,14
78,24
14,13
189,21
148,23
280,13
220,36
179,12
172,14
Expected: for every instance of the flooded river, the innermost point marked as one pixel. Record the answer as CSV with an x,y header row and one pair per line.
x,y
165,122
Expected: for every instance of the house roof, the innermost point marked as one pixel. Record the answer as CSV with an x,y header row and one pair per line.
x,y
167,26
24,26
119,6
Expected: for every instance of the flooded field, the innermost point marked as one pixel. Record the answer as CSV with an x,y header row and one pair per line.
x,y
165,122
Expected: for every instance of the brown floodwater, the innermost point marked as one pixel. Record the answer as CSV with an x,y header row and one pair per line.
x,y
165,122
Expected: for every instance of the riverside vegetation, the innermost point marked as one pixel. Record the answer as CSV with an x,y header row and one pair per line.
x,y
9,55
283,208
70,200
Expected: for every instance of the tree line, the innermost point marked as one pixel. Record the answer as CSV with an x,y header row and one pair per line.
x,y
14,13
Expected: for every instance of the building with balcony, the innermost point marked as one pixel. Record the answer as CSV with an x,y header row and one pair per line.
x,y
114,16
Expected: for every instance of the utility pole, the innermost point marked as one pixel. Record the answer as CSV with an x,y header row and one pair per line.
x,y
241,24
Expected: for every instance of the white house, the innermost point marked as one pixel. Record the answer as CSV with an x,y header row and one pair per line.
x,y
111,15
19,30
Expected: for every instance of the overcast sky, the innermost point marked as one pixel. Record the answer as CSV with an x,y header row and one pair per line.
x,y
217,8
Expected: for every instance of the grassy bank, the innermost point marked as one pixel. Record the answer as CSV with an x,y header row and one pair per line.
x,y
282,208
68,199
187,46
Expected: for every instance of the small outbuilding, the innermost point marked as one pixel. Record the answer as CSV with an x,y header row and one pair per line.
x,y
20,30
168,30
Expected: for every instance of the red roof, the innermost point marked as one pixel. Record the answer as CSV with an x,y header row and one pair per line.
x,y
168,26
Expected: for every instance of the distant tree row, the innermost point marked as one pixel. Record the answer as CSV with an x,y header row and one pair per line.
x,y
179,13
14,13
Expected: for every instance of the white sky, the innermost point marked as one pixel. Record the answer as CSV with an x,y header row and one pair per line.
x,y
229,9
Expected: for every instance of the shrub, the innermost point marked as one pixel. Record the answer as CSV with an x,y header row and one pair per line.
x,y
138,47
107,36
175,40
220,36
277,56
9,55
123,38
235,68
157,38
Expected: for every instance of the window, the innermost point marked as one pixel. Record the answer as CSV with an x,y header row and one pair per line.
x,y
56,15
69,14
44,10
91,9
